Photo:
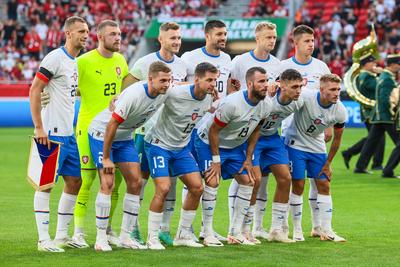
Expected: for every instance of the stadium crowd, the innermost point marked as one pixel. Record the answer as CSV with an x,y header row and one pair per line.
x,y
32,28
336,35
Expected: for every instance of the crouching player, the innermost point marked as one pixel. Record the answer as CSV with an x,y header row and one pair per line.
x,y
168,154
307,152
110,139
220,151
270,155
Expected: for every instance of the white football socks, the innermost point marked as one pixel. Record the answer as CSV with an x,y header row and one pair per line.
x,y
41,206
66,207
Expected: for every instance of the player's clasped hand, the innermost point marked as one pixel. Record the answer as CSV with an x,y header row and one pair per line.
x,y
213,172
272,88
108,166
111,106
327,170
236,84
42,137
248,166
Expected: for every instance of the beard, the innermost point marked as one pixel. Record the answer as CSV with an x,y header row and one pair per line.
x,y
111,47
258,94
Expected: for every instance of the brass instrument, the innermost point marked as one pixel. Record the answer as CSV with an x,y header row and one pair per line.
x,y
365,46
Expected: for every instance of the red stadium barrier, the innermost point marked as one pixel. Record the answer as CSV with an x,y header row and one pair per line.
x,y
14,90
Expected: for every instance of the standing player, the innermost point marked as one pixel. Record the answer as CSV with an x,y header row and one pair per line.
x,y
219,148
170,41
114,132
307,152
216,36
58,74
102,73
168,154
312,70
265,33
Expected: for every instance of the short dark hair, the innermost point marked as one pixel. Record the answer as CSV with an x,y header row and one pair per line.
x,y
157,67
106,23
203,68
211,24
250,72
72,20
299,30
290,75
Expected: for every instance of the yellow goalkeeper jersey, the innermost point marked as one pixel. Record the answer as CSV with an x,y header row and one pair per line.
x,y
100,79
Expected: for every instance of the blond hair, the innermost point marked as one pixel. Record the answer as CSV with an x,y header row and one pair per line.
x,y
265,25
334,78
169,26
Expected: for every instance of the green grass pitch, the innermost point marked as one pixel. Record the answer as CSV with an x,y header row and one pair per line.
x,y
366,213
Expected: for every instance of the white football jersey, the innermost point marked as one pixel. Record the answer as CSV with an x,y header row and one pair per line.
x,y
311,73
141,67
140,71
60,70
132,109
222,62
242,63
306,131
238,116
278,113
180,113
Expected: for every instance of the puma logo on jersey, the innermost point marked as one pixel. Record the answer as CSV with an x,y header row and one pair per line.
x,y
98,71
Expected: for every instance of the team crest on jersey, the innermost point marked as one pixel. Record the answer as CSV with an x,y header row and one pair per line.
x,y
85,159
317,121
194,116
118,71
74,76
274,116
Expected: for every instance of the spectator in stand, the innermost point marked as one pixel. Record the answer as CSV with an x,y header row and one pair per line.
x,y
280,12
16,71
20,32
337,65
328,46
8,31
7,63
335,27
54,37
33,43
12,9
349,31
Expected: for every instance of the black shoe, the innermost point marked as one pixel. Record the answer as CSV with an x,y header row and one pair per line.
x,y
377,168
346,159
391,176
365,171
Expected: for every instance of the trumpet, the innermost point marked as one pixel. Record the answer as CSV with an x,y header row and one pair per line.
x,y
369,45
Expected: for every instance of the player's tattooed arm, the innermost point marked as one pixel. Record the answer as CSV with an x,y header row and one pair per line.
x,y
213,173
337,139
128,80
35,91
328,134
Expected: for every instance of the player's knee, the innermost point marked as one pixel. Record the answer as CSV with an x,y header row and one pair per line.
x,y
135,183
162,190
298,188
283,181
107,186
73,185
197,190
213,183
323,187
